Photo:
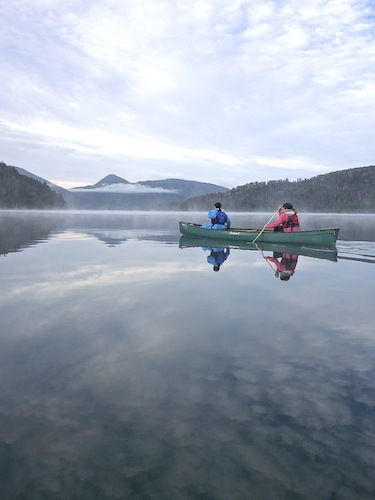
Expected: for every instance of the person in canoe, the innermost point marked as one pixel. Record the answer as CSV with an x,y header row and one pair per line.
x,y
219,219
217,256
285,266
287,221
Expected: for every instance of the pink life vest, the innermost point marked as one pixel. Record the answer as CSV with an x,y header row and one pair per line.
x,y
290,223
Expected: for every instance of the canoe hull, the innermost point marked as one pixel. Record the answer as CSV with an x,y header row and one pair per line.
x,y
323,238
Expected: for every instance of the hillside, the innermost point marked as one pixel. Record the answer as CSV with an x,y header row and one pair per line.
x,y
351,190
20,191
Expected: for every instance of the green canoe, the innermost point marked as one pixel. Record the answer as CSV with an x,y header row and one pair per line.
x,y
323,238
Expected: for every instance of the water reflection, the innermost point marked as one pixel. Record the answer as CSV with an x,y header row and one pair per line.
x,y
125,374
282,261
217,256
285,264
21,231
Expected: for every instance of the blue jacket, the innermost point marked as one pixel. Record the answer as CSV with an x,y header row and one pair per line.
x,y
212,215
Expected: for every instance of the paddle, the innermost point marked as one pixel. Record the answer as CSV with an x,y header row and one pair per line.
x,y
266,225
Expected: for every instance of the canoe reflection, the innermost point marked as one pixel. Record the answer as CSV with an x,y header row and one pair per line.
x,y
283,260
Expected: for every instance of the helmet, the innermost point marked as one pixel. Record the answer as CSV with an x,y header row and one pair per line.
x,y
217,205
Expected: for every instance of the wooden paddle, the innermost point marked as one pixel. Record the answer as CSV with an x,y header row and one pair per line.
x,y
266,225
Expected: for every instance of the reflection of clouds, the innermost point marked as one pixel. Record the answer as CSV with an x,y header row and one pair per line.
x,y
88,277
72,235
144,372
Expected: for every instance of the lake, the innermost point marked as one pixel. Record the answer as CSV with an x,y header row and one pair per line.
x,y
133,367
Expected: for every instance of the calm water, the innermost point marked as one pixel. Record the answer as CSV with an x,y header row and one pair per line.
x,y
131,370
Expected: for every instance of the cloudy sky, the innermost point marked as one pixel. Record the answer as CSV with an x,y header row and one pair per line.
x,y
220,91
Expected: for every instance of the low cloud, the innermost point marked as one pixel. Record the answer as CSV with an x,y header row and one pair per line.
x,y
126,188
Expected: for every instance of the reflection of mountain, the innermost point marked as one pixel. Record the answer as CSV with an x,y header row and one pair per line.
x,y
117,236
111,239
22,231
116,228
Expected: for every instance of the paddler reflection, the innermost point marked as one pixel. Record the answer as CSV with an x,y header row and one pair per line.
x,y
285,264
217,256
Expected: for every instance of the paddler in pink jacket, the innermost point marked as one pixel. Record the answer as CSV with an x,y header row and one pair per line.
x,y
287,220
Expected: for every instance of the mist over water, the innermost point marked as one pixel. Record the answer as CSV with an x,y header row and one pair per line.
x,y
130,369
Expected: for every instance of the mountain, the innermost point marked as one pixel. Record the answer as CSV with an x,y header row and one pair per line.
x,y
115,193
54,187
20,191
108,180
351,190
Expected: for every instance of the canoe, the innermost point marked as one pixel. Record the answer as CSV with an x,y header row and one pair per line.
x,y
324,238
314,252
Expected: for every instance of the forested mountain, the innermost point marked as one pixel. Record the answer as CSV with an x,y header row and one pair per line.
x,y
19,191
351,190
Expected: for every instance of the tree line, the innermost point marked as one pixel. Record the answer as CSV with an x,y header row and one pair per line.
x,y
351,190
18,191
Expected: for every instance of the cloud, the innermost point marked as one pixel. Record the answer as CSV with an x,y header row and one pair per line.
x,y
188,88
126,188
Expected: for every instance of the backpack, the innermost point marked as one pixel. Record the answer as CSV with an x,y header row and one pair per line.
x,y
220,218
289,223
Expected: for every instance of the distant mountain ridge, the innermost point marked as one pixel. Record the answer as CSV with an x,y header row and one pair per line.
x,y
115,193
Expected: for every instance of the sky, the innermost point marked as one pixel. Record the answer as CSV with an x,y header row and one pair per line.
x,y
218,91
